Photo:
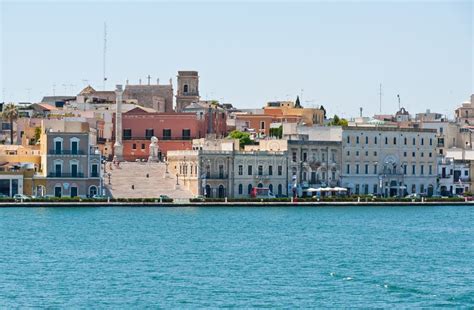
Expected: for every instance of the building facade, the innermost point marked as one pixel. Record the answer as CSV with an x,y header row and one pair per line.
x,y
188,89
389,161
73,165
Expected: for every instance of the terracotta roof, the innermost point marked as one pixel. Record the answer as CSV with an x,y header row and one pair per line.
x,y
46,106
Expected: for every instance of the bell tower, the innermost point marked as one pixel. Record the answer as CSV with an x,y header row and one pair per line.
x,y
188,89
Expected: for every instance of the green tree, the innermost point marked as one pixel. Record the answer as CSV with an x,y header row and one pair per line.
x,y
10,113
336,121
243,137
37,134
276,132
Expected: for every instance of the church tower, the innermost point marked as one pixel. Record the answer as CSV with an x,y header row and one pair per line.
x,y
188,89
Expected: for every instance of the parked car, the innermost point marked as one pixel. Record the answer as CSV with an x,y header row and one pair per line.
x,y
99,197
21,197
164,197
200,198
412,196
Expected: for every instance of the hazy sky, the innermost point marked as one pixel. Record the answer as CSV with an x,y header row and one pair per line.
x,y
247,53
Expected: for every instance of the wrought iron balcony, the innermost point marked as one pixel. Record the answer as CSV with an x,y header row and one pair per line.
x,y
66,152
65,175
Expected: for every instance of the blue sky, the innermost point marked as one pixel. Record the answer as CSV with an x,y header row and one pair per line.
x,y
247,53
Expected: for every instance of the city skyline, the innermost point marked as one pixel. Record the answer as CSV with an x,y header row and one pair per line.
x,y
335,55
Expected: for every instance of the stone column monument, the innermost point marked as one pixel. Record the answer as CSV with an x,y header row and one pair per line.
x,y
118,147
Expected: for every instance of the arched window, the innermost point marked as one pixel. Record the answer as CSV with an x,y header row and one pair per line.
x,y
260,185
185,88
58,190
241,189
208,192
270,187
92,191
249,188
221,191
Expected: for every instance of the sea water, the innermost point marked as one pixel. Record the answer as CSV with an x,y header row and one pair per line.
x,y
189,257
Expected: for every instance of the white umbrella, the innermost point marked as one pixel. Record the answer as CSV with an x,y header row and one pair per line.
x,y
340,189
326,189
312,189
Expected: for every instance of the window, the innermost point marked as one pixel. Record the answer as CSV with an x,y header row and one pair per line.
x,y
440,129
422,154
404,169
149,133
94,170
280,189
58,167
270,170
127,134
366,153
414,141
366,140
466,173
348,139
357,153
58,145
366,168
375,189
375,169
429,154
249,170
221,171
357,168
241,170
75,146
422,141
375,153
241,189
348,153
404,154
280,170
394,141
249,189
293,157
185,88
386,140
260,170
134,146
262,125
143,146
413,154
413,169
74,168
422,169
186,134
348,169
305,156
405,140
357,140
430,170
375,140
431,141
167,134
73,191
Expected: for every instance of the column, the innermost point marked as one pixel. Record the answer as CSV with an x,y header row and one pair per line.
x,y
118,147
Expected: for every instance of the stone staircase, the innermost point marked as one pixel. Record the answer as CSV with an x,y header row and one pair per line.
x,y
135,173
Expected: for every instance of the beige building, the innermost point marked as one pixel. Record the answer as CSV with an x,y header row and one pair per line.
x,y
389,161
219,169
188,89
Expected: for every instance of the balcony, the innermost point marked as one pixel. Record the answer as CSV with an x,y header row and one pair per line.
x,y
159,138
66,152
217,176
65,175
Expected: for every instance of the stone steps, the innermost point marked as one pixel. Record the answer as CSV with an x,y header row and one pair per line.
x,y
134,173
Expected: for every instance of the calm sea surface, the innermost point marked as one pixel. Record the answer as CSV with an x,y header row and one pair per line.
x,y
237,257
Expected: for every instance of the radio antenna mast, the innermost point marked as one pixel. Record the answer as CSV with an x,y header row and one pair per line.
x,y
104,56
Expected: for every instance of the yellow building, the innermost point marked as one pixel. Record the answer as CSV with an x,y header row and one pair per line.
x,y
308,116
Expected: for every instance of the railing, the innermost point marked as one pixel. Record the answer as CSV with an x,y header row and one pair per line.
x,y
159,138
217,176
101,140
66,152
94,175
65,175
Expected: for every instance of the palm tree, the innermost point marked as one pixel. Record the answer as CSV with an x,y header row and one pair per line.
x,y
10,113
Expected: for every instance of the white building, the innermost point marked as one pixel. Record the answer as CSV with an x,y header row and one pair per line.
x,y
389,161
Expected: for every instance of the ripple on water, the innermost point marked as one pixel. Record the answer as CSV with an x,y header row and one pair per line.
x,y
236,257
